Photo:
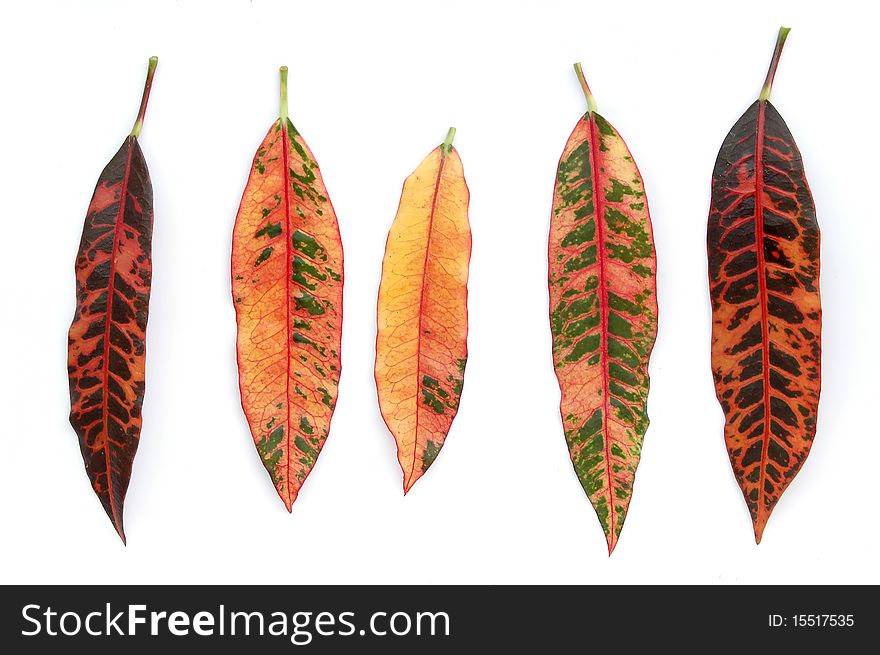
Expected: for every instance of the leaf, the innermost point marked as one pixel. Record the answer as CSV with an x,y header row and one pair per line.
x,y
106,344
287,291
763,244
603,311
421,345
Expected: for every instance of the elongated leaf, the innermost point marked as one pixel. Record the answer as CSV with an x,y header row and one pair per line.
x,y
287,291
421,346
603,311
106,342
763,243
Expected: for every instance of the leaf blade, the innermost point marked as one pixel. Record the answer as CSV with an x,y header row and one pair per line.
x,y
421,343
287,270
763,247
107,338
603,317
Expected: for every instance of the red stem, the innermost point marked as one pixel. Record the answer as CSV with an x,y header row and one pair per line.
x,y
774,62
139,123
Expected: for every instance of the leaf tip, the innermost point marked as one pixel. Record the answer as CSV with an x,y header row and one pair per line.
x,y
287,496
120,530
409,479
114,513
612,543
759,525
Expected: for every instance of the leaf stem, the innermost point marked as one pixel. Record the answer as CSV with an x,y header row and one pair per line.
x,y
446,146
139,123
774,62
591,101
283,111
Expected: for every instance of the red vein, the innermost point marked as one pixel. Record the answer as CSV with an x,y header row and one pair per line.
x,y
422,306
603,332
123,197
762,293
288,276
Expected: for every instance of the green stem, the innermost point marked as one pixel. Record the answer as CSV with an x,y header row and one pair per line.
x,y
283,112
139,123
774,62
591,101
446,146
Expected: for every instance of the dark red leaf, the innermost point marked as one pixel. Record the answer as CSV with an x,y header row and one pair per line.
x,y
763,242
106,343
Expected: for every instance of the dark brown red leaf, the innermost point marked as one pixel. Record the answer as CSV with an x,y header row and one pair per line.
x,y
763,243
106,343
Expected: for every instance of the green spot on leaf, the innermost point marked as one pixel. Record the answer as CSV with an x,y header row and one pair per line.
x,y
267,252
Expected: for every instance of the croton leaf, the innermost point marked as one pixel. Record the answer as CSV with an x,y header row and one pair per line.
x,y
106,350
763,244
287,292
603,311
421,345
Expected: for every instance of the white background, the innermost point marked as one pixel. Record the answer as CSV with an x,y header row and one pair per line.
x,y
374,86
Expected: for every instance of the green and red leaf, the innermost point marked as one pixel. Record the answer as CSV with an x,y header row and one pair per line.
x,y
603,311
107,339
287,291
763,247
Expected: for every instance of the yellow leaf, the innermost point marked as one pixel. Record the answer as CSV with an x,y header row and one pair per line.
x,y
421,345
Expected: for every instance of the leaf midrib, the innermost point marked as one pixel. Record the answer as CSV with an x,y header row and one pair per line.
x,y
111,290
603,319
422,310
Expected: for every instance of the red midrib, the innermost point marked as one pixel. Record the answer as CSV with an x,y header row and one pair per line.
x,y
285,155
123,196
603,313
422,304
762,293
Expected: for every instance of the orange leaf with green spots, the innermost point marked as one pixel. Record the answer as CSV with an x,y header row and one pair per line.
x,y
603,311
421,344
106,352
287,292
763,244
